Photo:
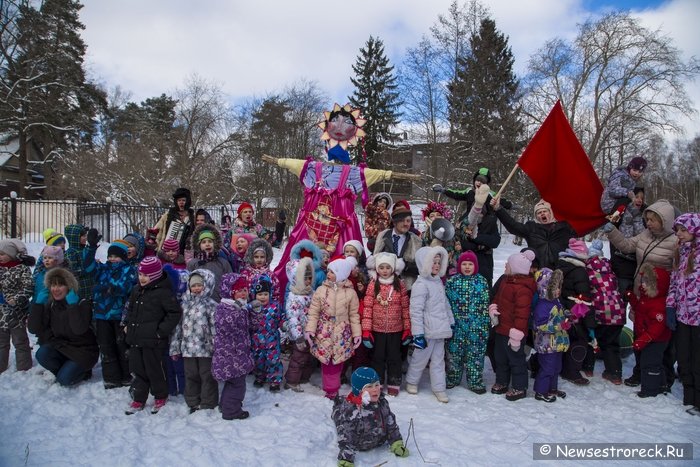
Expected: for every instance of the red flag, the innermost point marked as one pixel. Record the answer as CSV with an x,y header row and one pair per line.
x,y
560,169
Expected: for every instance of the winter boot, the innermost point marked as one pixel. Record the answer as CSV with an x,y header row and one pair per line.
x,y
134,407
442,397
159,404
411,388
392,390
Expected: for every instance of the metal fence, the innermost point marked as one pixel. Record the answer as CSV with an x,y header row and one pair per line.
x,y
27,219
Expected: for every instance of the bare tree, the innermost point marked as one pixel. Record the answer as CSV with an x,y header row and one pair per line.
x,y
619,84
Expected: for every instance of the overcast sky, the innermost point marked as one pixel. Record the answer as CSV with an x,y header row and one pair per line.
x,y
253,48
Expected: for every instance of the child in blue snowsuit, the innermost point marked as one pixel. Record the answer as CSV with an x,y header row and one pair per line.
x,y
266,320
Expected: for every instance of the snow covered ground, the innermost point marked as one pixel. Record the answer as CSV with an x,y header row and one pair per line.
x,y
43,423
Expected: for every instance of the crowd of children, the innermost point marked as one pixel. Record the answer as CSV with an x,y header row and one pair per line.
x,y
221,315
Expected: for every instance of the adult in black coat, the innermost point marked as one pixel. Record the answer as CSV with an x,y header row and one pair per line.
x,y
180,212
61,321
545,235
487,237
151,317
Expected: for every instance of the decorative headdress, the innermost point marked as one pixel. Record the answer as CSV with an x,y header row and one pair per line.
x,y
337,142
434,206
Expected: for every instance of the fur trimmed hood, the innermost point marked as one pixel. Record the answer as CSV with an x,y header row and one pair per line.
x,y
308,245
656,280
424,260
62,275
256,244
548,282
296,269
218,241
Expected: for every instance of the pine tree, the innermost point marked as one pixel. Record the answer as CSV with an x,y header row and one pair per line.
x,y
46,98
376,95
484,103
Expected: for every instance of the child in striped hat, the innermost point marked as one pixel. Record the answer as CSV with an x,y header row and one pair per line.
x,y
152,316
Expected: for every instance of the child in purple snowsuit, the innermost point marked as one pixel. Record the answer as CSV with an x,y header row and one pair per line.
x,y
232,359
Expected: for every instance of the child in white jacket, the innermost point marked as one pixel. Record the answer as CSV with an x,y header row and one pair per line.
x,y
431,321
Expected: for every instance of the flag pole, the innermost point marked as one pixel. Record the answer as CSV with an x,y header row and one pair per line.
x,y
512,172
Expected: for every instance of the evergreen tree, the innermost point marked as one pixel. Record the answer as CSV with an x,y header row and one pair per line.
x,y
484,103
46,98
376,95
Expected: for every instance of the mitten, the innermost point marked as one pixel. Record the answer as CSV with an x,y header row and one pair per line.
x,y
175,357
480,196
93,238
42,297
565,325
515,339
437,188
342,463
356,341
256,306
367,339
419,341
399,449
309,338
607,228
641,341
671,320
406,337
72,298
493,314
579,310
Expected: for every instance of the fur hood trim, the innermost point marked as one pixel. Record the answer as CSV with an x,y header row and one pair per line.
x,y
424,260
255,245
63,275
218,241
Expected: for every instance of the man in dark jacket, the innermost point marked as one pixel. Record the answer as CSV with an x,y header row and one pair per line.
x,y
401,241
545,235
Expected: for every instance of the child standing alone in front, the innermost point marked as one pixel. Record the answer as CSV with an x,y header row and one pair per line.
x,y
193,340
468,294
386,321
152,316
431,321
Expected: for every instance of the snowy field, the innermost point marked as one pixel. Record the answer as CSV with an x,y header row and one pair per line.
x,y
44,424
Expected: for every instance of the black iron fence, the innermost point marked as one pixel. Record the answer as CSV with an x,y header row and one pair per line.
x,y
27,219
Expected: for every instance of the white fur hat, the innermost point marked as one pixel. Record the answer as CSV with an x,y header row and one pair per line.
x,y
397,264
357,245
342,267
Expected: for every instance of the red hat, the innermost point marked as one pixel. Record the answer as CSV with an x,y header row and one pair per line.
x,y
171,244
240,283
243,206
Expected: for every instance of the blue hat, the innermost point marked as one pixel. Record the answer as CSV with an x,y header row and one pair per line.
x,y
362,377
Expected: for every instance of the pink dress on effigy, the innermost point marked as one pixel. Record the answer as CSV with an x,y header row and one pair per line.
x,y
328,215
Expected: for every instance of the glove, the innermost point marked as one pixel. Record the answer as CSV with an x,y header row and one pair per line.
x,y
345,464
515,339
565,325
367,339
607,228
93,238
671,321
419,342
406,337
42,297
641,342
175,357
72,298
493,314
480,196
309,336
437,188
399,449
356,342
256,306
